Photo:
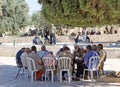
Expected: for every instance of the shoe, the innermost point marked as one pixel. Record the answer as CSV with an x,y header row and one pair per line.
x,y
63,78
73,79
37,79
86,78
76,79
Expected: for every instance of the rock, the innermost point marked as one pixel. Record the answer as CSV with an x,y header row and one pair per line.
x,y
110,77
118,74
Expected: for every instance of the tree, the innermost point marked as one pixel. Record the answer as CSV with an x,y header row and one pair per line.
x,y
0,7
14,16
38,20
81,12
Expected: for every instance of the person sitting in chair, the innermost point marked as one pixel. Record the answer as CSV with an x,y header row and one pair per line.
x,y
18,57
66,53
38,62
36,58
24,56
37,41
78,59
43,52
90,53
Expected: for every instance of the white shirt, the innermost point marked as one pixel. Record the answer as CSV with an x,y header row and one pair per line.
x,y
23,59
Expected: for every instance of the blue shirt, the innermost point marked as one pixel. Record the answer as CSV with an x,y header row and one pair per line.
x,y
88,55
18,57
42,53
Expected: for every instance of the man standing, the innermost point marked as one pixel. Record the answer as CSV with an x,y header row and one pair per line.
x,y
52,35
103,55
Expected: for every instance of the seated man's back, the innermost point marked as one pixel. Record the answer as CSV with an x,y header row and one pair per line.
x,y
24,56
43,52
18,57
36,58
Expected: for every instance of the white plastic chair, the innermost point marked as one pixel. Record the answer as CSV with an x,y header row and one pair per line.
x,y
20,68
31,67
93,66
25,68
64,64
49,64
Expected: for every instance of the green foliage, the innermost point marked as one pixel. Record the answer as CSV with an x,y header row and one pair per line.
x,y
39,21
81,12
14,16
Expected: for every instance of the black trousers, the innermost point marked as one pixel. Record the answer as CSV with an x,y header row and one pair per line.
x,y
80,69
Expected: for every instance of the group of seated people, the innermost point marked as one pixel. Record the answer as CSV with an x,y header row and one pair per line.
x,y
79,57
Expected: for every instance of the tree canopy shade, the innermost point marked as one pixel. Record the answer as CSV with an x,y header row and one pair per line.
x,y
81,12
14,16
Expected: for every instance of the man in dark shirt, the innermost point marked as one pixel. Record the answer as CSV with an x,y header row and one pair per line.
x,y
18,57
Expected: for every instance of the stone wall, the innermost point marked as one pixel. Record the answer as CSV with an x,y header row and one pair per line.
x,y
102,29
113,52
94,38
10,39
105,38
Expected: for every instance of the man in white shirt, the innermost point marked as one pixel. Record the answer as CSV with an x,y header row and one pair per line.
x,y
24,56
43,52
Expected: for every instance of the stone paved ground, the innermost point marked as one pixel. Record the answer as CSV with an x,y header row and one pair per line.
x,y
112,64
8,71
